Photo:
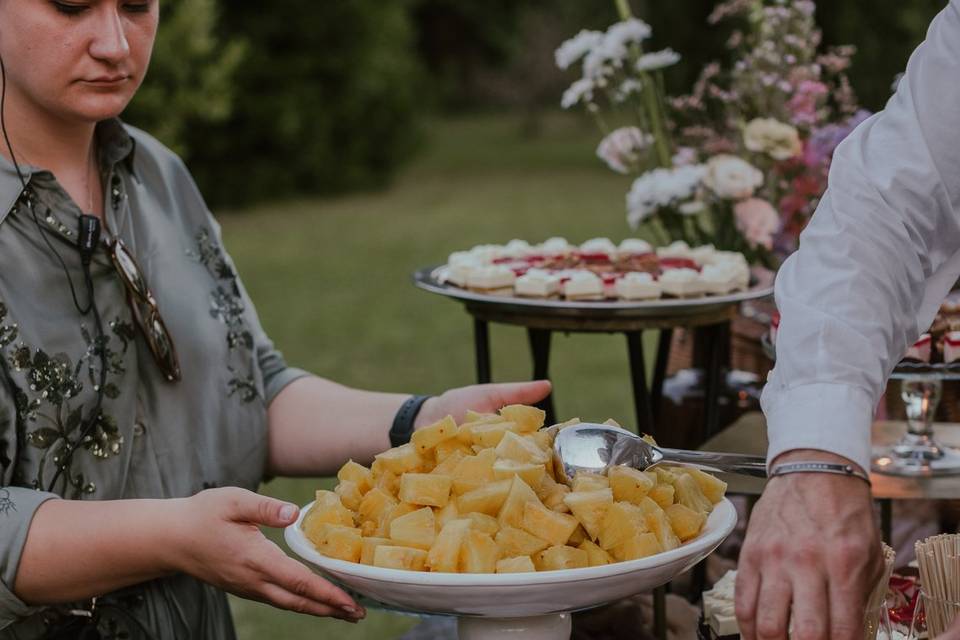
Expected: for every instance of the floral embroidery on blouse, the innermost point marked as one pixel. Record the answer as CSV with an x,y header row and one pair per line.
x,y
47,419
227,306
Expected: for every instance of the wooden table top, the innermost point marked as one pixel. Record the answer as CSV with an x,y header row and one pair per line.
x,y
749,435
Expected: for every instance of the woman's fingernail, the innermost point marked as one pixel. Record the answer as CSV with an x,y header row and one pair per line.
x,y
287,512
351,611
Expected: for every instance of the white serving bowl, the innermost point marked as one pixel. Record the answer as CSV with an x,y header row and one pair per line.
x,y
517,595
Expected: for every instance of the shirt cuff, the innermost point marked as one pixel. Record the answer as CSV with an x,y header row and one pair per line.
x,y
275,383
17,508
828,417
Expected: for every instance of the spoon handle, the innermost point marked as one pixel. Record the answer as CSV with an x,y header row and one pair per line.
x,y
720,462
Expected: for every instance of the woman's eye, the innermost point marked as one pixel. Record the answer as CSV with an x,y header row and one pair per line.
x,y
137,7
69,9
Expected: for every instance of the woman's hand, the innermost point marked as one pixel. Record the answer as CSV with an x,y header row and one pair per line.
x,y
219,542
485,398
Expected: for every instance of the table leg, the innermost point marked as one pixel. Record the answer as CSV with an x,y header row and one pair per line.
x,y
638,376
886,520
660,612
715,336
481,343
660,371
540,349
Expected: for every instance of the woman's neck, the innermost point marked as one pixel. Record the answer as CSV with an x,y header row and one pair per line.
x,y
45,141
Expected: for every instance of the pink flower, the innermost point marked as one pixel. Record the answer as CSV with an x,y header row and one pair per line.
x,y
804,103
757,220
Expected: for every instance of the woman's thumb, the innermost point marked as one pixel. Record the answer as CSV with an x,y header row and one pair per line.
x,y
266,511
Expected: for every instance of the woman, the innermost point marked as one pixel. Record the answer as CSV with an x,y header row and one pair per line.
x,y
134,371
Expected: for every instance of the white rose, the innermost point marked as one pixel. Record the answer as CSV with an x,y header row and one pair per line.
x,y
622,148
778,140
732,178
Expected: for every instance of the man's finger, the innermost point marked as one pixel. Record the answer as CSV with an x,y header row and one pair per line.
x,y
773,607
846,611
520,392
280,597
811,608
746,591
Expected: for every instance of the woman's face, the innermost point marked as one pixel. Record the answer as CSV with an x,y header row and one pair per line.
x,y
76,60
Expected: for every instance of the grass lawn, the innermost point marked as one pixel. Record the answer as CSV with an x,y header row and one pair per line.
x,y
331,281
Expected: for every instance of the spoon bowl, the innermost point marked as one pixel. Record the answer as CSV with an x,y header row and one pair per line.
x,y
594,448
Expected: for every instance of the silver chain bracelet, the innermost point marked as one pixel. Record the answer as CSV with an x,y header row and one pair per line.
x,y
819,467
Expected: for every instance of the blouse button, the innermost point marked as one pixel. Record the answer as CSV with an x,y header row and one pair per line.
x,y
138,429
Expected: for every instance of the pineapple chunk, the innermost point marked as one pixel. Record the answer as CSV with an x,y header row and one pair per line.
x,y
483,522
596,557
356,473
713,488
327,509
688,493
417,529
425,439
369,529
474,471
490,435
637,546
659,525
629,485
425,489
516,542
445,553
543,439
349,493
446,466
579,535
554,500
474,416
621,521
530,473
520,449
479,553
662,494
386,481
684,521
375,505
398,511
555,528
399,558
589,482
446,514
337,541
370,545
449,448
401,459
487,499
511,513
520,564
589,507
561,557
527,419
665,475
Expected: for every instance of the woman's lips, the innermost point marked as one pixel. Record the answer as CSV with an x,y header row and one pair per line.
x,y
106,81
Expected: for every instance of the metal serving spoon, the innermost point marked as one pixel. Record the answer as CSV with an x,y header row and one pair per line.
x,y
593,448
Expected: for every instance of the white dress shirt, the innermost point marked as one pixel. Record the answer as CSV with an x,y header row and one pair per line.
x,y
875,262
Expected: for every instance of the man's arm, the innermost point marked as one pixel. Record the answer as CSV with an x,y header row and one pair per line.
x,y
873,266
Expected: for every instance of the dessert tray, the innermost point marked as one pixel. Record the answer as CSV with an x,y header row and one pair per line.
x,y
535,604
596,278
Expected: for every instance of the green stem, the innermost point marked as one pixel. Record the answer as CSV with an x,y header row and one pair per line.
x,y
623,8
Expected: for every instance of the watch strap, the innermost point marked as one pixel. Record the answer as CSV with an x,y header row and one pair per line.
x,y
402,428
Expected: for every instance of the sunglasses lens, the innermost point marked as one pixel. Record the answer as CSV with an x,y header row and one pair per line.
x,y
129,270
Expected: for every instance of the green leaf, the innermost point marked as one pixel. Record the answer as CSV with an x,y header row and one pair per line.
x,y
74,419
43,438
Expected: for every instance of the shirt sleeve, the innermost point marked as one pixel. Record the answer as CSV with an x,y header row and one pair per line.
x,y
875,262
17,507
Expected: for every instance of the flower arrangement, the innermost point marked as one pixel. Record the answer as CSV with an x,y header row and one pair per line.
x,y
741,161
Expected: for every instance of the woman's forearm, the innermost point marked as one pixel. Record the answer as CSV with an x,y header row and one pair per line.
x,y
316,425
78,549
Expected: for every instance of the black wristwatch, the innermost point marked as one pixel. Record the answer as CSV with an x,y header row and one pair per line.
x,y
402,427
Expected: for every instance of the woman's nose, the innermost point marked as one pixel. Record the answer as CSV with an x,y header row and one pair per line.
x,y
109,42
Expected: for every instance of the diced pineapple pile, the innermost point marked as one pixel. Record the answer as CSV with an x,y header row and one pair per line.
x,y
483,497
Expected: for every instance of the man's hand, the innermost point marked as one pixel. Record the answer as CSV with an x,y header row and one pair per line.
x,y
811,557
485,398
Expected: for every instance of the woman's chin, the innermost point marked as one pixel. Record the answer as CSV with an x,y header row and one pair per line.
x,y
97,108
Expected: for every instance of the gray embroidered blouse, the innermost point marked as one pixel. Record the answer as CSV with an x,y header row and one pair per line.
x,y
155,439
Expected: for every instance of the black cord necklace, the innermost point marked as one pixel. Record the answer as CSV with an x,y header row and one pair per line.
x,y
87,242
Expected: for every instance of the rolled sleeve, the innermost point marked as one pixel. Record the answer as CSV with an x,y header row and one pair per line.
x,y
276,373
874,263
17,508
